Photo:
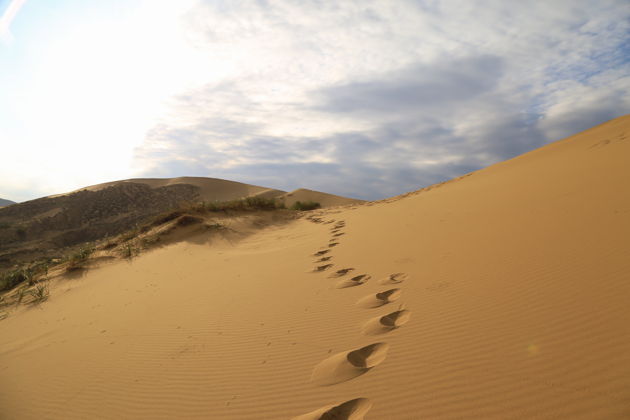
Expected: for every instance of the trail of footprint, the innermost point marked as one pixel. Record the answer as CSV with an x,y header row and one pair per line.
x,y
354,281
322,267
379,299
386,323
322,252
348,365
349,410
394,278
342,272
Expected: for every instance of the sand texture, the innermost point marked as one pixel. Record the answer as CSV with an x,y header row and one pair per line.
x,y
504,294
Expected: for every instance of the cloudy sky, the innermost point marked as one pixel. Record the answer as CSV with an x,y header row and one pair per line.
x,y
360,98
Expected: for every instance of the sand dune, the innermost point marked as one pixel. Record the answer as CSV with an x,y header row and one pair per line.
x,y
209,189
324,199
502,294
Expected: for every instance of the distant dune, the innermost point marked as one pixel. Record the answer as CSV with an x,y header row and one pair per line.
x,y
208,189
325,200
47,227
4,202
502,294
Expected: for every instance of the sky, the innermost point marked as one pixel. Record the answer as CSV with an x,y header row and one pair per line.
x,y
366,99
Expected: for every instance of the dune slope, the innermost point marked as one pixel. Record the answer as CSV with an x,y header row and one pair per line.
x,y
324,199
502,294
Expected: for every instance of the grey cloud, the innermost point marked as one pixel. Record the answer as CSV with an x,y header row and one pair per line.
x,y
429,121
417,87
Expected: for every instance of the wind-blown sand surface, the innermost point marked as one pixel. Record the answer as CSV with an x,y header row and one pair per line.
x,y
502,294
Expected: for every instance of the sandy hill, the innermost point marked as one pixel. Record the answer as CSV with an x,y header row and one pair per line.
x,y
207,189
324,199
4,202
500,295
49,226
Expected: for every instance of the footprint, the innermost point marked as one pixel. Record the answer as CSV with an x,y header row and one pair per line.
x,y
379,299
386,323
332,244
354,281
394,278
322,267
344,366
341,272
338,234
349,410
322,252
322,259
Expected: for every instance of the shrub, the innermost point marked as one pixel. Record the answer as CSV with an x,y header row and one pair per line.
x,y
245,204
40,293
76,261
305,205
12,278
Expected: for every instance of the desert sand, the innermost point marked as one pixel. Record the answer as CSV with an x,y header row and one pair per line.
x,y
502,294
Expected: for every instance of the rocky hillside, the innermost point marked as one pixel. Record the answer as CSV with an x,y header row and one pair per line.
x,y
45,226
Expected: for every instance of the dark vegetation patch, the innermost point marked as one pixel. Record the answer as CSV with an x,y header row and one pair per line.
x,y
305,205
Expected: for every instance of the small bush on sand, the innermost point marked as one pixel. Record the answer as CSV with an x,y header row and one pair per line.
x,y
12,278
305,205
77,260
246,204
40,293
129,251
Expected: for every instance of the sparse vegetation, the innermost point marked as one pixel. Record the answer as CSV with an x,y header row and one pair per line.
x,y
77,260
5,225
246,204
12,278
129,250
305,205
40,293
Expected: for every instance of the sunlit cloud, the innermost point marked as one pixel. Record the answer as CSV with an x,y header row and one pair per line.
x,y
386,97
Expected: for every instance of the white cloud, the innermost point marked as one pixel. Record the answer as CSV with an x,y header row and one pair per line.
x,y
374,87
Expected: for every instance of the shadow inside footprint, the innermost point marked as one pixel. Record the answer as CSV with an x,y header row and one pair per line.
x,y
349,410
379,299
344,366
341,272
394,278
322,259
322,267
330,245
322,252
386,323
354,281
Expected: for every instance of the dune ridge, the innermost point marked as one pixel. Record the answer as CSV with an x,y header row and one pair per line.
x,y
512,302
